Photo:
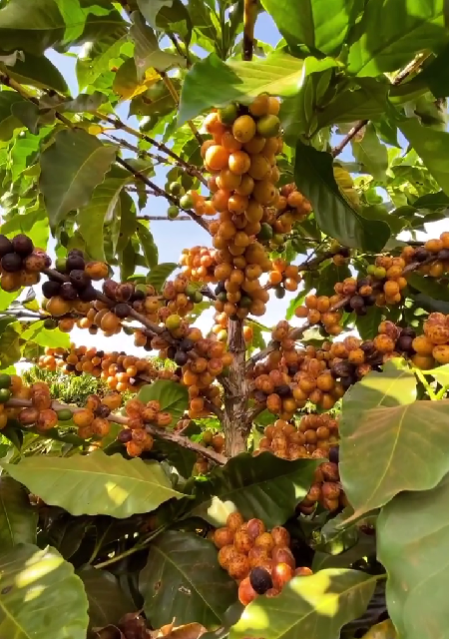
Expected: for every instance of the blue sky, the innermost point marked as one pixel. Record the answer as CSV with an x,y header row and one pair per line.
x,y
172,237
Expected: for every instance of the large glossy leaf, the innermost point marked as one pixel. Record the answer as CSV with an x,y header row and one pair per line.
x,y
314,177
311,23
433,148
71,168
413,545
148,244
315,606
211,82
364,101
41,596
45,23
9,347
264,486
110,485
8,121
391,33
435,76
371,153
429,286
95,57
18,519
172,397
389,442
147,52
160,273
100,209
182,580
45,337
107,601
38,71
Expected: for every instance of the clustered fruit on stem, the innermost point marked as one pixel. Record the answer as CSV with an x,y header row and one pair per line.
x,y
259,560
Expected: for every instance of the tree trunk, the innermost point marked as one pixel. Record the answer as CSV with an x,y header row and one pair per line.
x,y
235,423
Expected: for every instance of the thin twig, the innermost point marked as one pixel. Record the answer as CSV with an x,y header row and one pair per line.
x,y
158,191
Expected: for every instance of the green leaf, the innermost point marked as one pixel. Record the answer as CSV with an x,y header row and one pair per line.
x,y
9,347
147,53
8,121
372,155
95,57
150,9
381,427
18,519
172,397
366,100
38,71
127,220
368,325
33,223
441,374
299,113
412,542
185,564
211,82
264,486
315,179
432,201
38,334
100,209
315,606
107,601
67,534
429,286
159,274
311,23
435,76
432,147
391,33
149,247
111,485
41,596
72,167
35,28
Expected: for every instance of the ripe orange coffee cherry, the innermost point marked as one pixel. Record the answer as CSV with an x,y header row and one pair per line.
x,y
223,537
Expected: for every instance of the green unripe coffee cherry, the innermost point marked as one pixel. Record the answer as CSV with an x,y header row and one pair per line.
x,y
228,114
172,212
371,269
186,201
61,264
197,297
176,188
5,395
173,322
380,273
64,414
269,126
279,292
265,233
5,380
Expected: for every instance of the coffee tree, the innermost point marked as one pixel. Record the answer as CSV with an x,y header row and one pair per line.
x,y
247,480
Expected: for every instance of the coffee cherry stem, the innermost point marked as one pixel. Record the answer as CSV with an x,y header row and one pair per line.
x,y
152,430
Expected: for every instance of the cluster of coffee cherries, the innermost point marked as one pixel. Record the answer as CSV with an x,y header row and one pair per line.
x,y
290,377
220,328
260,561
292,206
142,417
241,157
214,441
316,437
283,277
120,371
20,262
383,285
